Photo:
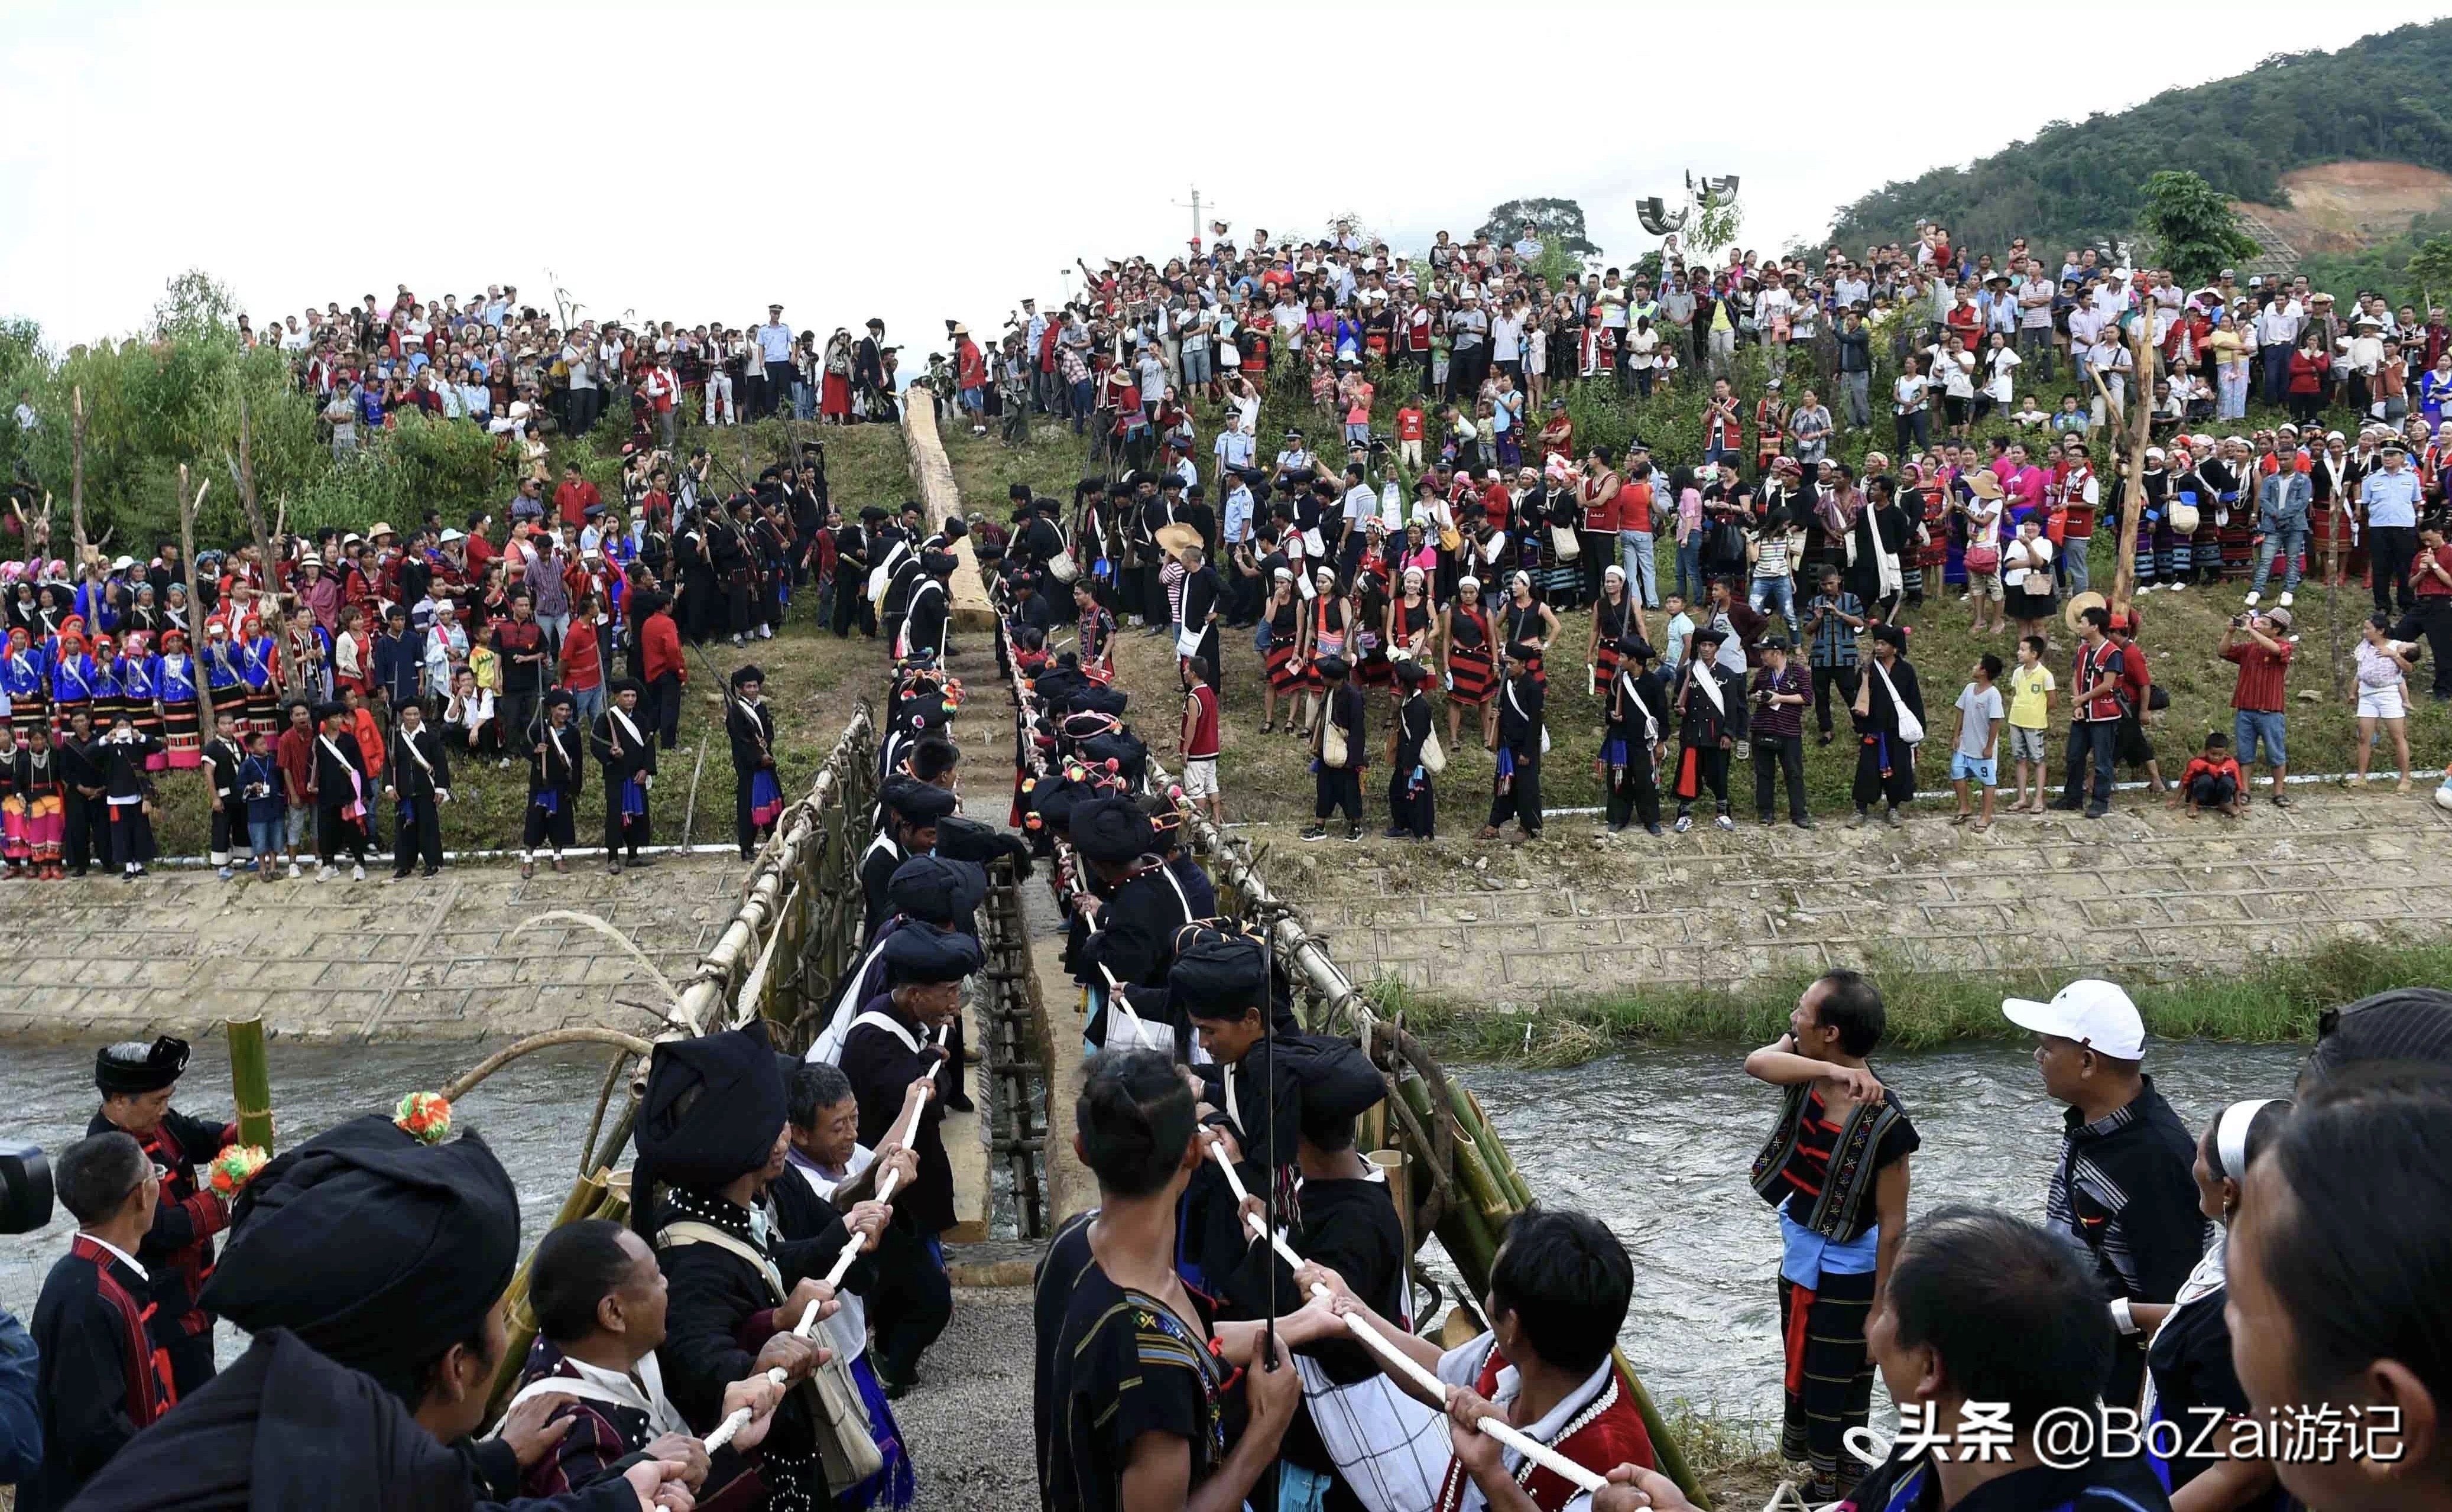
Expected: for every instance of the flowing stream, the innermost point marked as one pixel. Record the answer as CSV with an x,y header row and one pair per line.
x,y
1656,1142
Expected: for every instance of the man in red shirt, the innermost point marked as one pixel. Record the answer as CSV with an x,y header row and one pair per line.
x,y
573,495
2430,581
2258,700
1198,740
295,755
660,654
1409,432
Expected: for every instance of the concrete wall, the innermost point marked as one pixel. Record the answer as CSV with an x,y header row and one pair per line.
x,y
433,960
2139,896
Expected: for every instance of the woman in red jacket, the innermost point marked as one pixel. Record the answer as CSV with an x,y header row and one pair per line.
x,y
2309,367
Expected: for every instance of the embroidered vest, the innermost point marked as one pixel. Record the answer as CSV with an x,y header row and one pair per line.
x,y
1844,1209
1607,1433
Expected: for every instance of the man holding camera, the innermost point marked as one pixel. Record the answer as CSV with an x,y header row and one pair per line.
x,y
2258,700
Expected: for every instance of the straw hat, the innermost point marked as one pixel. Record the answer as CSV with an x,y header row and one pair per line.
x,y
1984,484
2075,609
1173,539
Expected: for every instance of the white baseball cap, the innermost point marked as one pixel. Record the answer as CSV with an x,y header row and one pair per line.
x,y
2094,1013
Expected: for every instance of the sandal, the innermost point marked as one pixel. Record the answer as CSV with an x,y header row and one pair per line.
x,y
1488,833
1979,826
1960,819
527,870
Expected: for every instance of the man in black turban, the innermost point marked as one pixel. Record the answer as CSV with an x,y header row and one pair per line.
x,y
908,828
1344,1219
1221,984
370,1267
711,1136
899,1042
757,789
623,743
1127,940
136,1081
928,614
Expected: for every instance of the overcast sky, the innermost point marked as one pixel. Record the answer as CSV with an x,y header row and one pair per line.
x,y
918,162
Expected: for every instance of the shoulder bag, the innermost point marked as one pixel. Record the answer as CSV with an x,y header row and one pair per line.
x,y
1910,728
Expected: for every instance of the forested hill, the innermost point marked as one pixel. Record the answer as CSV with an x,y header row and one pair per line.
x,y
2378,98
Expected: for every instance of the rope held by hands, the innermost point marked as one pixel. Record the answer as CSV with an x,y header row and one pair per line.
x,y
1405,1365
900,1135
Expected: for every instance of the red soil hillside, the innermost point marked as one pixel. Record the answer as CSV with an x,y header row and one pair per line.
x,y
2345,207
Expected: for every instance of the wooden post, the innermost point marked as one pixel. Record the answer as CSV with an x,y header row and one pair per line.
x,y
254,508
76,477
251,1081
2141,405
187,509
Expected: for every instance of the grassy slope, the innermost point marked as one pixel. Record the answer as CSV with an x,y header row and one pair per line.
x,y
813,680
1266,778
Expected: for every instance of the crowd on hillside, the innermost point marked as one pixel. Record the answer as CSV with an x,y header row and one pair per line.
x,y
1445,514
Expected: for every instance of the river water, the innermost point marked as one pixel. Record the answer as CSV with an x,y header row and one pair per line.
x,y
1656,1142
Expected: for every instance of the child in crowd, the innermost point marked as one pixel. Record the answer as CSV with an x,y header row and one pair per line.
x,y
2032,686
1680,629
259,783
2212,781
1975,755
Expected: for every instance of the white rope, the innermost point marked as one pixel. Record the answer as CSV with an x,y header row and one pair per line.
x,y
899,1135
1405,1365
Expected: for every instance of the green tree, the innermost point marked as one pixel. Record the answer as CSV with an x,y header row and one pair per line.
x,y
2431,267
1549,221
2196,232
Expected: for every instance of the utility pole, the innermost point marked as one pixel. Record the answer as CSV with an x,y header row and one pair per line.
x,y
1195,208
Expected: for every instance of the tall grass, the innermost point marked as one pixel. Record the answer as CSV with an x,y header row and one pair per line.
x,y
2276,1001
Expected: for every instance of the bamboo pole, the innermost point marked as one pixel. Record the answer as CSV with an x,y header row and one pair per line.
x,y
707,998
77,481
188,508
2141,407
251,1081
575,1034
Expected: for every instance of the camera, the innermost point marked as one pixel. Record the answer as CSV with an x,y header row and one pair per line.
x,y
25,1188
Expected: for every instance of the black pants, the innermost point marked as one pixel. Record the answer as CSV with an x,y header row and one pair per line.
x,y
850,607
2392,548
417,836
1634,791
2100,739
1825,679
83,840
131,834
518,708
230,837
1785,753
665,708
1339,789
909,1304
2433,618
192,1361
1710,776
1885,772
1519,798
623,831
2207,790
1416,812
554,829
335,833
